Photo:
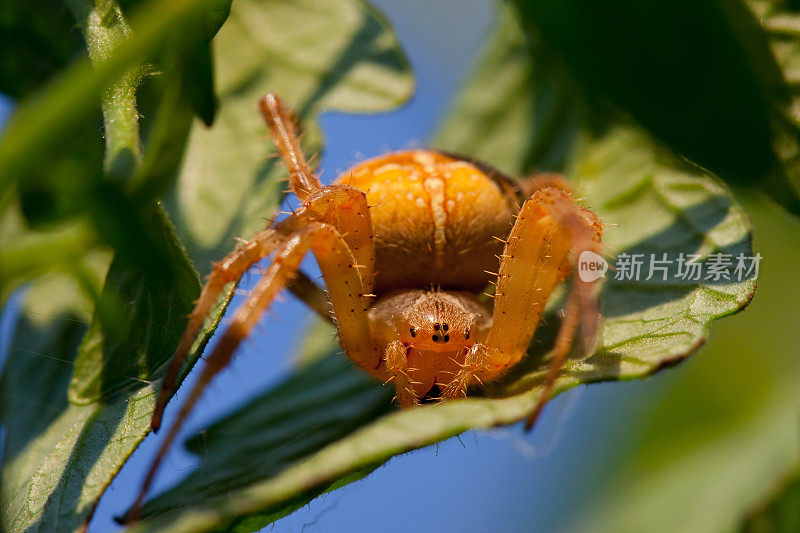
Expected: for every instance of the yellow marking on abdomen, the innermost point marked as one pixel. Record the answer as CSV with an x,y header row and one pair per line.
x,y
435,187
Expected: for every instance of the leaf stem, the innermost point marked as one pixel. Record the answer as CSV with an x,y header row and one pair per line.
x,y
104,29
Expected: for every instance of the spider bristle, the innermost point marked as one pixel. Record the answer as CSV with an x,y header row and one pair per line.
x,y
497,274
489,295
495,237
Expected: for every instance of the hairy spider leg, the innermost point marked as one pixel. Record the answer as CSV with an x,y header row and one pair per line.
x,y
339,205
339,208
548,228
585,231
347,297
544,180
281,127
226,271
397,368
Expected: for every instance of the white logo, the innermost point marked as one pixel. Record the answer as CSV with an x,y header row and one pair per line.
x,y
591,266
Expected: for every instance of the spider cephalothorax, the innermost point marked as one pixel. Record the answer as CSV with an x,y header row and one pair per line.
x,y
407,243
426,335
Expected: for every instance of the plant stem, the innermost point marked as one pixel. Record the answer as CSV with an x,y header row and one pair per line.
x,y
104,29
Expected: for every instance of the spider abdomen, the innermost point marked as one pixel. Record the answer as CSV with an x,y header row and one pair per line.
x,y
437,221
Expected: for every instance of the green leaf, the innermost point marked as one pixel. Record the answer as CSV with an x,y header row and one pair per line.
x,y
42,128
197,67
104,30
781,512
63,455
36,40
697,74
112,360
25,254
699,448
317,55
782,24
311,434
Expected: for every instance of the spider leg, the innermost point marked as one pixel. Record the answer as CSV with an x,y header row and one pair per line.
x,y
397,367
549,229
544,180
530,268
341,206
475,363
311,294
581,311
226,271
281,127
345,288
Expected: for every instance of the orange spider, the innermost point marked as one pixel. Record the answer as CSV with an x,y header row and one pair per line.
x,y
407,243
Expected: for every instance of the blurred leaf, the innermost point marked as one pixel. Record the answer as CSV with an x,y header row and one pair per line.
x,y
64,456
105,30
196,60
42,127
315,54
112,362
296,441
781,512
25,255
150,271
315,408
709,441
36,40
542,107
697,74
55,190
782,24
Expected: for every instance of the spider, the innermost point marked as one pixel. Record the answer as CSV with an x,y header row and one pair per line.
x,y
407,243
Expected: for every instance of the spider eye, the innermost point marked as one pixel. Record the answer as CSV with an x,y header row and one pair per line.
x,y
436,326
445,327
435,338
413,333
